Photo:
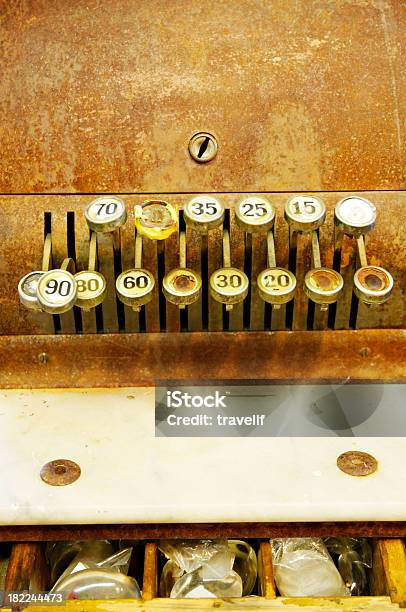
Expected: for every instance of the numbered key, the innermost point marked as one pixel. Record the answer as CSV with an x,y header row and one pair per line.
x,y
27,290
56,291
373,284
254,214
204,213
323,285
305,213
106,214
156,219
182,286
91,288
355,216
229,285
135,287
276,285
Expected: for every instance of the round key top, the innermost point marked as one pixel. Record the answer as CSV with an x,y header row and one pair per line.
x,y
135,287
255,214
92,289
106,214
204,213
373,284
323,285
27,290
57,291
305,213
276,285
155,219
182,286
355,215
229,285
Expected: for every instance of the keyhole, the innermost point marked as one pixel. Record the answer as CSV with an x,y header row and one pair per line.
x,y
203,147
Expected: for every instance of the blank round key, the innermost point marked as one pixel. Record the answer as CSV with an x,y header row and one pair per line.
x,y
204,213
323,285
229,285
57,291
27,290
305,213
92,289
182,286
106,214
373,284
254,214
135,287
276,285
355,216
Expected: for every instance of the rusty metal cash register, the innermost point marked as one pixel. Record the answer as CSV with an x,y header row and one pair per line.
x,y
198,192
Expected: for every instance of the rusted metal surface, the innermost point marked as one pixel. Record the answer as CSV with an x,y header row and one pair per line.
x,y
154,531
357,463
114,360
60,472
22,232
105,96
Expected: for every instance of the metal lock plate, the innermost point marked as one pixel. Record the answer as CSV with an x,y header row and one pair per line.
x,y
204,213
92,289
276,285
305,213
135,287
203,147
106,214
57,291
27,290
355,215
155,219
323,285
373,284
182,286
229,285
255,214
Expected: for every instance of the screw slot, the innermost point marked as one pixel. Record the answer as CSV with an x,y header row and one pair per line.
x,y
203,147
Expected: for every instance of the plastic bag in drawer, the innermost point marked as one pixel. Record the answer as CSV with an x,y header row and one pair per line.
x,y
354,558
199,568
304,568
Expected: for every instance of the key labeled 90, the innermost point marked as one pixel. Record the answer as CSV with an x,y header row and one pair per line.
x,y
229,285
135,287
57,291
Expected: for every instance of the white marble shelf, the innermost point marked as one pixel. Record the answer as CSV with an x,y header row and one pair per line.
x,y
130,476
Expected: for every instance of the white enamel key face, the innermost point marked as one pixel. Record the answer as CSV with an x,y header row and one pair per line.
x,y
135,287
204,213
91,289
254,214
106,214
323,285
27,290
229,285
182,286
355,215
276,285
57,291
373,284
305,213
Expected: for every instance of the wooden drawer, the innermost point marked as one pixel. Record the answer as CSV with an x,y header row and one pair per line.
x,y
28,570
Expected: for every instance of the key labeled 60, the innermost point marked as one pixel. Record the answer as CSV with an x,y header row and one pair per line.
x,y
135,287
